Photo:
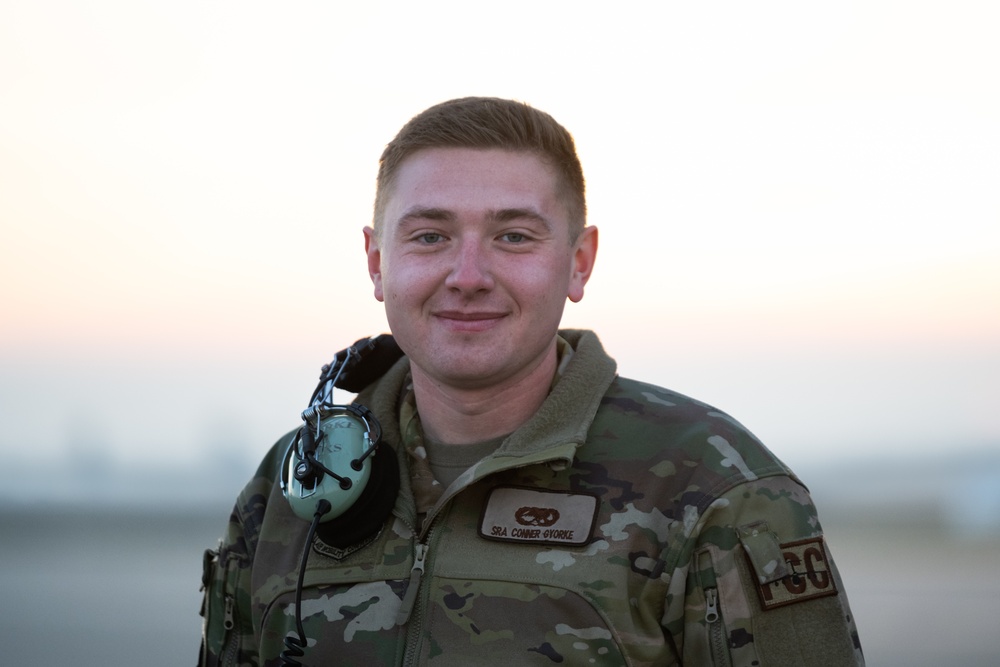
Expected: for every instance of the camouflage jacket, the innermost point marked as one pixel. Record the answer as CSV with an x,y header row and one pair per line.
x,y
624,524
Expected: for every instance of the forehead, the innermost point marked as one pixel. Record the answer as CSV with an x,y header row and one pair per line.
x,y
470,179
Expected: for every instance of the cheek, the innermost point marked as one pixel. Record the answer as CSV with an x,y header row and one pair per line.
x,y
543,297
406,288
426,273
544,281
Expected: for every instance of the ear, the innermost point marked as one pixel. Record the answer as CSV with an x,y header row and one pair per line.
x,y
374,261
584,255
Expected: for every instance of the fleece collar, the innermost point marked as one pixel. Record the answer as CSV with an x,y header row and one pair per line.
x,y
564,417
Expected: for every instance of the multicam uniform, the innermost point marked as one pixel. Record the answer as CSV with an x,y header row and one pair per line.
x,y
623,524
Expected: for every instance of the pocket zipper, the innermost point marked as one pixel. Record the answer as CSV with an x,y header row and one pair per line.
x,y
713,615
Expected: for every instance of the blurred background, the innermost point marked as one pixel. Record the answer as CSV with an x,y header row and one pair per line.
x,y
800,224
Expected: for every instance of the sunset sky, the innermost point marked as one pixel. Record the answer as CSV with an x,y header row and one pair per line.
x,y
799,208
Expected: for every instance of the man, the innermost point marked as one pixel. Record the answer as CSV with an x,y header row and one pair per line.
x,y
547,510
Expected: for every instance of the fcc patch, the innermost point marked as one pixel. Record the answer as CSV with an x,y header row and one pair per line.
x,y
538,516
807,575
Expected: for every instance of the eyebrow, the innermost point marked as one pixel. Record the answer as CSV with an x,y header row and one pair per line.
x,y
498,215
426,213
508,214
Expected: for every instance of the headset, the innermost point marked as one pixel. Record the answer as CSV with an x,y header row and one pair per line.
x,y
334,473
335,455
331,436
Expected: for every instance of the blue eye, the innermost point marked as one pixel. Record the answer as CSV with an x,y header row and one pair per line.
x,y
514,237
430,238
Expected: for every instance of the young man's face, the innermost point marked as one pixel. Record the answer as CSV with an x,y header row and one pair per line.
x,y
474,264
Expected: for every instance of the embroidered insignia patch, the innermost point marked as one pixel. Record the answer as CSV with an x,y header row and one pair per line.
x,y
322,547
808,575
538,516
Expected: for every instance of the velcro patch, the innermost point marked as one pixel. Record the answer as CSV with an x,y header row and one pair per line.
x,y
538,516
761,546
808,575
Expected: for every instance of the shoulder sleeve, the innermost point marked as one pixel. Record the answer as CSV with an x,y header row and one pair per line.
x,y
761,585
228,636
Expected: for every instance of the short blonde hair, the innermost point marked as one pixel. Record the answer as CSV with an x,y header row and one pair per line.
x,y
488,123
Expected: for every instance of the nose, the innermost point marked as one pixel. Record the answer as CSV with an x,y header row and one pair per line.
x,y
470,270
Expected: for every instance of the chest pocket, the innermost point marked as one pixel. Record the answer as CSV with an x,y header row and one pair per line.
x,y
517,623
528,604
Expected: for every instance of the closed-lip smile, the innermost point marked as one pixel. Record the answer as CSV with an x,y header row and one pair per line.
x,y
469,320
468,316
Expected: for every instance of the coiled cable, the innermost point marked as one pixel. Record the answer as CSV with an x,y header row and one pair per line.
x,y
295,646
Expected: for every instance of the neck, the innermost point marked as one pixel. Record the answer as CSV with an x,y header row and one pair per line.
x,y
455,415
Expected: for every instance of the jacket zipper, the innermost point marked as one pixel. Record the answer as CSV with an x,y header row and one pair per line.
x,y
411,611
416,573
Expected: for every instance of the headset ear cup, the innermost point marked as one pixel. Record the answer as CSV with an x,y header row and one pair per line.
x,y
368,514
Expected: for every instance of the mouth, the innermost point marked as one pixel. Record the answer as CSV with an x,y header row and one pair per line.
x,y
469,321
